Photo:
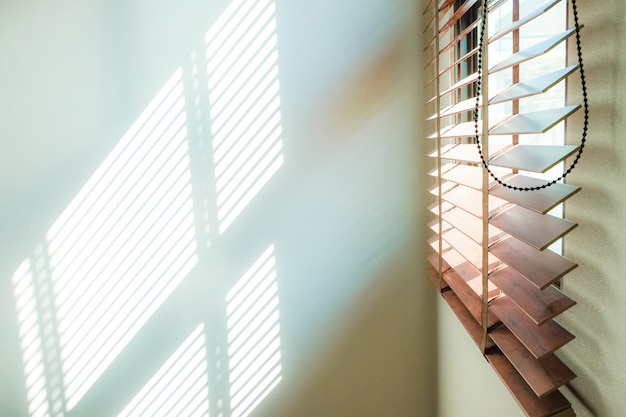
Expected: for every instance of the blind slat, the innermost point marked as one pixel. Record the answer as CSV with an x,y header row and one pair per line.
x,y
532,52
539,340
542,200
543,375
539,305
448,23
535,158
472,252
516,25
533,86
552,405
470,200
535,229
461,277
534,122
468,175
541,268
460,107
470,225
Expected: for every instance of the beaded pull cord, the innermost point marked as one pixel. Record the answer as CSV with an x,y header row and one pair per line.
x,y
585,104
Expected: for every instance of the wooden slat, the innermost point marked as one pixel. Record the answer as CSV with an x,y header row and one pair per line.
x,y
465,281
456,16
533,122
542,201
461,107
470,250
494,4
470,200
470,225
519,23
445,187
459,84
537,230
539,340
445,148
468,175
444,4
533,86
433,277
541,268
539,305
468,152
460,130
433,259
532,52
434,226
433,241
552,405
543,375
464,316
461,35
445,206
535,158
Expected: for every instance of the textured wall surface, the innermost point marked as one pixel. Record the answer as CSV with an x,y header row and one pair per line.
x,y
598,245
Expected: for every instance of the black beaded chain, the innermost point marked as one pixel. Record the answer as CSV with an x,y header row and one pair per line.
x,y
585,104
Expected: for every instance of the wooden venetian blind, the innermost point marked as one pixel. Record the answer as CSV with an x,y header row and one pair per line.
x,y
491,245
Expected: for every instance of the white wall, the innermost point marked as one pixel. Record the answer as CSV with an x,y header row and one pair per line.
x,y
343,212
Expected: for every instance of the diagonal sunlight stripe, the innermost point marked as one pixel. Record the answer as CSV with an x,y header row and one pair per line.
x,y
119,249
253,335
244,94
31,343
179,387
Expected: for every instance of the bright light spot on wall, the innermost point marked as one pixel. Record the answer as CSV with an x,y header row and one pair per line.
x,y
179,387
253,335
31,341
115,254
124,243
244,97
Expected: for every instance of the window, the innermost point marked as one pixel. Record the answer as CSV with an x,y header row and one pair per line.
x,y
496,253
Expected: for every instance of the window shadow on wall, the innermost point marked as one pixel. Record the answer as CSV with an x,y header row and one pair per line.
x,y
146,221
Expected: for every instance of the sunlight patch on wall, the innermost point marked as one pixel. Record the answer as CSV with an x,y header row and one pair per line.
x,y
253,335
244,97
124,243
116,252
179,387
31,341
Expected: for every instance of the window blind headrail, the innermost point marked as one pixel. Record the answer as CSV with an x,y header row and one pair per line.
x,y
521,22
